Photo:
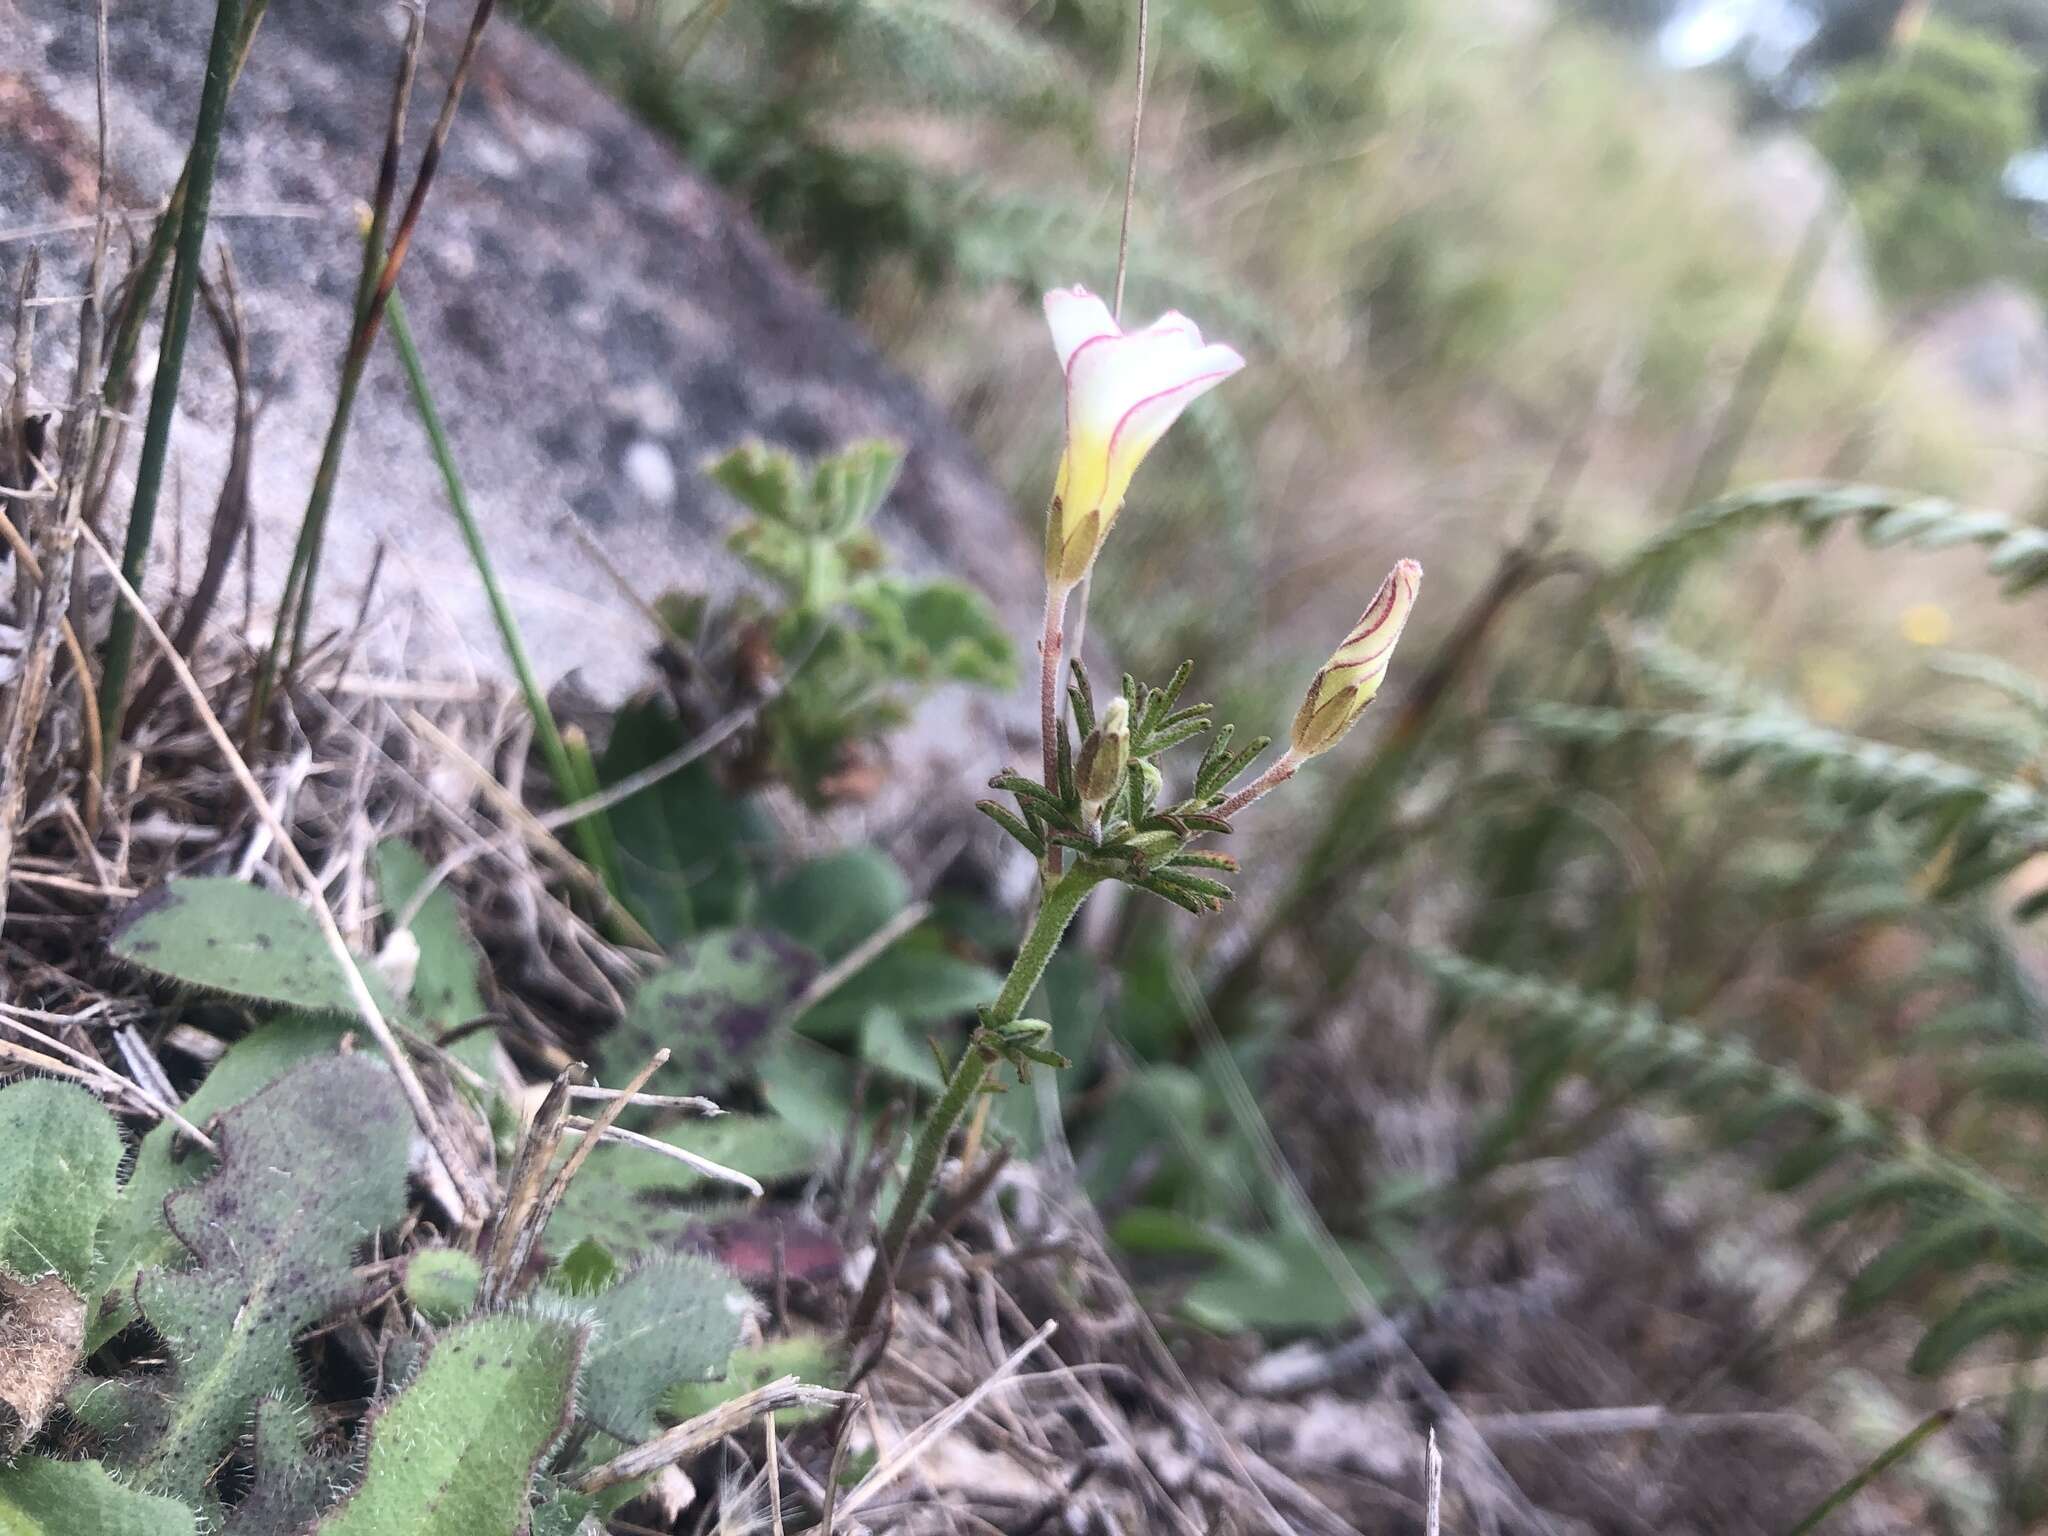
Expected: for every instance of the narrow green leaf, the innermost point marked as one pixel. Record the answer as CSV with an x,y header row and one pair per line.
x,y
453,1454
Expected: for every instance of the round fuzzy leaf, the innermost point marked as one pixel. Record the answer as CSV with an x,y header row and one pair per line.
x,y
443,1283
228,936
715,1008
671,1321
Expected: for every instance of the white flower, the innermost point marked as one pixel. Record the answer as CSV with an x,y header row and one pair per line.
x,y
1124,389
1351,678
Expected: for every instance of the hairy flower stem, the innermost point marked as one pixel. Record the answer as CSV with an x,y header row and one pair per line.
x,y
1062,900
1049,643
1266,782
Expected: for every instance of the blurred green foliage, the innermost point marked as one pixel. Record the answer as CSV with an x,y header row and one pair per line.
x,y
1921,142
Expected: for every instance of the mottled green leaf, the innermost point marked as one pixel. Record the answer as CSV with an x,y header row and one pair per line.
x,y
715,1007
134,1235
309,1169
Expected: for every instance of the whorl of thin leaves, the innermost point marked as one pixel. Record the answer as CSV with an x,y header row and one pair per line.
x,y
1989,823
1138,841
1948,1217
1886,518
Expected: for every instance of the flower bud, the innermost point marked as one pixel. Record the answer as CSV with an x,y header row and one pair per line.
x,y
1099,770
1352,676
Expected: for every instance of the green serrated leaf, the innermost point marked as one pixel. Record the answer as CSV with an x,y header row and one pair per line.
x,y
586,1268
675,1319
40,1496
309,1169
60,1153
234,938
716,1007
562,1511
443,1283
134,1235
764,479
453,1454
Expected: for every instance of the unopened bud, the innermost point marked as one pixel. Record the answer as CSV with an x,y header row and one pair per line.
x,y
1024,1032
1352,676
1099,770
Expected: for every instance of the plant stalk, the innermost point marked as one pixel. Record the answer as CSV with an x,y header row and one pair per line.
x,y
1041,941
570,785
1049,727
163,398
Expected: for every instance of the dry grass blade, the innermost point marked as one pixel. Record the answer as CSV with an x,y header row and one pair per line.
x,y
707,1429
476,1196
550,847
577,1125
696,1103
106,1078
921,1439
1432,1488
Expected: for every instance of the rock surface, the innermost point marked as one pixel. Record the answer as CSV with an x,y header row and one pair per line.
x,y
597,321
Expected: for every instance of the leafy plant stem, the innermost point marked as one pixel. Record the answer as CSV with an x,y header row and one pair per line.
x,y
591,840
163,399
1041,941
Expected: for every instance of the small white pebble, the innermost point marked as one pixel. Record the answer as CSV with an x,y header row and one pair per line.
x,y
652,472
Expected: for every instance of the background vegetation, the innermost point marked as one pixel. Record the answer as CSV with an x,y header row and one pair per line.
x,y
1647,1017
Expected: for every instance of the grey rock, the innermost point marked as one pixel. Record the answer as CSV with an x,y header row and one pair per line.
x,y
596,318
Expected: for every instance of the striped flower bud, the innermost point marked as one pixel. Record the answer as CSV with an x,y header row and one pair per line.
x,y
1352,676
1099,770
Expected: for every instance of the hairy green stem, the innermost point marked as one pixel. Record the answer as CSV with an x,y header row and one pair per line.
x,y
570,784
163,398
1062,900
